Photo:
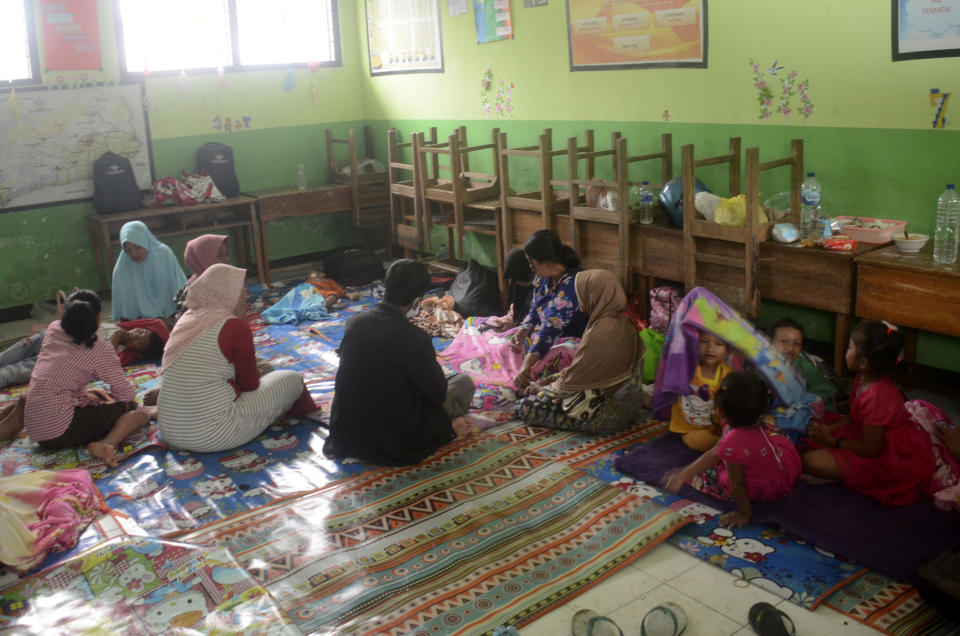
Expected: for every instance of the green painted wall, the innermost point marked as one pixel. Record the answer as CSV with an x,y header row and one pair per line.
x,y
47,248
869,136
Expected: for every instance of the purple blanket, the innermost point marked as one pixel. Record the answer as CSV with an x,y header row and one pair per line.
x,y
894,541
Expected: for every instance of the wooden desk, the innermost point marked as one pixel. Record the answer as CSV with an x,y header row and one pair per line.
x,y
806,277
238,213
278,204
909,291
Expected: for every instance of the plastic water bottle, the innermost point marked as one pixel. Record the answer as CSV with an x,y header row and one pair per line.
x,y
641,203
301,177
948,220
810,208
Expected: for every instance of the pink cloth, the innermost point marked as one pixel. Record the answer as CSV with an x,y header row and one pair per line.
x,y
201,253
944,485
210,300
771,463
905,462
487,357
43,512
59,381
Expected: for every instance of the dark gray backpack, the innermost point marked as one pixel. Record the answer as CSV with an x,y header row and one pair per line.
x,y
217,161
114,185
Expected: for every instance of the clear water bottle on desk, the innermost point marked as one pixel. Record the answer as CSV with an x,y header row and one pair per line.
x,y
810,208
301,177
646,203
948,220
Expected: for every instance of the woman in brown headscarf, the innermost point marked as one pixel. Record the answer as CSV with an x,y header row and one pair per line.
x,y
600,391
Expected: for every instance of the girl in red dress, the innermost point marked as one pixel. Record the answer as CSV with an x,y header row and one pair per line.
x,y
878,450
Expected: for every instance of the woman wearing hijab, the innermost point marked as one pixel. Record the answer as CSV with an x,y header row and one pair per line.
x,y
554,310
212,397
201,253
601,389
517,273
146,276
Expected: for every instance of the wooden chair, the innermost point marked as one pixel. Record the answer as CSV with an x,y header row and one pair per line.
x,y
406,206
369,190
469,200
533,209
621,184
722,258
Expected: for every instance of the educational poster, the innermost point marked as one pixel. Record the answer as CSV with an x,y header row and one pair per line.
x,y
637,34
925,28
493,20
403,36
49,141
456,7
71,35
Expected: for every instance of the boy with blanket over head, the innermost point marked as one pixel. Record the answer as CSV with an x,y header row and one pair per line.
x,y
702,317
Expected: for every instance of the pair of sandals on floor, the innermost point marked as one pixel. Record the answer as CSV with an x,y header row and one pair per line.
x,y
669,619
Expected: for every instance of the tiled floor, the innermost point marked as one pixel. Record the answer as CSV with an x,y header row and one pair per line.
x,y
715,602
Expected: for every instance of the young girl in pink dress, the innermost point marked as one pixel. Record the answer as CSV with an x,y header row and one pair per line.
x,y
878,450
751,460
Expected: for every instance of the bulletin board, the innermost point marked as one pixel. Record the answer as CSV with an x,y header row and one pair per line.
x,y
403,36
637,34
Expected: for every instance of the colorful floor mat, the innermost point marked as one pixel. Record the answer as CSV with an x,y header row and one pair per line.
x,y
763,555
481,534
890,606
143,586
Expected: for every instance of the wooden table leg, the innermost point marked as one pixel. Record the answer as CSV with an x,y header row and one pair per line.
x,y
260,245
840,337
910,349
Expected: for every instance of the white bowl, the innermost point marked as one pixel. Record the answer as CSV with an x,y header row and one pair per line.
x,y
911,244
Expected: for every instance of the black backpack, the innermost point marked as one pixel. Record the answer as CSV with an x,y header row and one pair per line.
x,y
476,291
114,185
217,161
354,267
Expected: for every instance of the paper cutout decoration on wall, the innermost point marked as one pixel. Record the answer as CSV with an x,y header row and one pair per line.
x,y
502,102
456,7
666,115
290,81
229,124
493,20
182,83
940,100
221,77
787,87
315,92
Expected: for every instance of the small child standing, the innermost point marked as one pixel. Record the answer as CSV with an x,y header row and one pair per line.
x,y
788,338
59,411
331,291
752,460
878,450
692,415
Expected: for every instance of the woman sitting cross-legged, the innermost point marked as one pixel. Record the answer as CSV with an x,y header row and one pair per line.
x,y
600,391
212,397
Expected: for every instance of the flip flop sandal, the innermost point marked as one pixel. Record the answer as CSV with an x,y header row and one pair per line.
x,y
666,619
589,623
767,620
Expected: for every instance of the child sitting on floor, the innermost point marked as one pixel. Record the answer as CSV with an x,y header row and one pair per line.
x,y
788,338
133,340
331,291
692,415
752,460
60,412
878,450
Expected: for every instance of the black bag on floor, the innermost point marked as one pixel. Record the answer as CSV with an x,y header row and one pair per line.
x,y
217,161
354,267
114,185
476,291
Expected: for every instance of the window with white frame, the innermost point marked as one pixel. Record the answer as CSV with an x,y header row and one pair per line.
x,y
206,34
18,54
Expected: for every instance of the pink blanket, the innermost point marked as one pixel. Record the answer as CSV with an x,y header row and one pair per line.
x,y
486,356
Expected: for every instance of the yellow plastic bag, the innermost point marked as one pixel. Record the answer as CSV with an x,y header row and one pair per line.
x,y
733,212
